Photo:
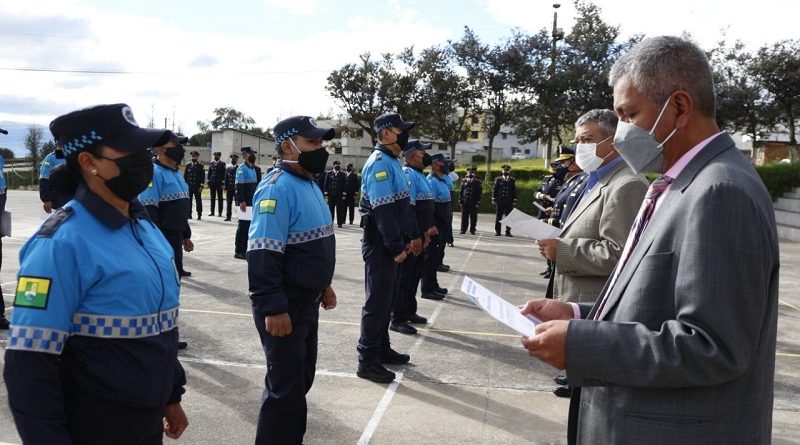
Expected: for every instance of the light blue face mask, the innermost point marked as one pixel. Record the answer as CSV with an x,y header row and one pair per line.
x,y
639,148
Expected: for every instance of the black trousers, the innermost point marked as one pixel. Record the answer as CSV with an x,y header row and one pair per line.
x,y
469,215
97,421
291,361
409,272
380,273
198,202
337,203
434,254
175,240
216,196
501,210
229,195
350,204
240,243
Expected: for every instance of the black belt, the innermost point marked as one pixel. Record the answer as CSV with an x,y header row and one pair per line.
x,y
302,294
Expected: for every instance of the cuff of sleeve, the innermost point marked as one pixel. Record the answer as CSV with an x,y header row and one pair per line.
x,y
576,311
276,304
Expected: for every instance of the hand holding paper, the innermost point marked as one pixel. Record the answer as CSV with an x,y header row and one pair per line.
x,y
523,224
500,309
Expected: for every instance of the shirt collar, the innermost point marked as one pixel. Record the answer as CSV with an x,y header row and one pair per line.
x,y
104,211
687,157
386,150
284,166
157,162
600,173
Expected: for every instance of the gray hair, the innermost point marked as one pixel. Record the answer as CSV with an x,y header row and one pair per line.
x,y
605,119
659,66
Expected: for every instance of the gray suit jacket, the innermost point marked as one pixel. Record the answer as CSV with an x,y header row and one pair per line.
x,y
685,349
593,237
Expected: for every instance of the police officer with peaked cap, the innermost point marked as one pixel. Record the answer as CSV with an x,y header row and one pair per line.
x,y
230,185
353,183
50,199
290,261
504,197
388,237
216,181
92,352
471,189
409,272
195,175
335,190
246,182
442,217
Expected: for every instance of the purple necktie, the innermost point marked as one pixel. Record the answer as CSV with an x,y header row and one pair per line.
x,y
648,206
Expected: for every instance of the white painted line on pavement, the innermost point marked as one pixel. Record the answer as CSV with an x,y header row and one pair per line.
x,y
206,361
383,405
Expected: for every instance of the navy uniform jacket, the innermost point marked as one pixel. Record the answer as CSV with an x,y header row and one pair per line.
x,y
246,182
335,183
291,250
216,174
167,200
550,186
443,207
352,184
420,195
95,312
46,192
504,190
471,190
195,175
384,202
567,198
230,178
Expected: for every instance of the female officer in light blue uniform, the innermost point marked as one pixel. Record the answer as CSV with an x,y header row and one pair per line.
x,y
92,351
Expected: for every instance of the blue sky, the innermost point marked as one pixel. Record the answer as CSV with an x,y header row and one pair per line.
x,y
270,58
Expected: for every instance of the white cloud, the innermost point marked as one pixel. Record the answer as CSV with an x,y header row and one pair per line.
x,y
297,7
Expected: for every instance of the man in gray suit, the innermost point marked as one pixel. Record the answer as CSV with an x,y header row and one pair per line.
x,y
594,234
680,346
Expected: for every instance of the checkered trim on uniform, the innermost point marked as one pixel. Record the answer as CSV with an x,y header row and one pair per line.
x,y
80,142
175,196
385,125
27,338
311,235
424,196
108,326
389,199
246,181
442,200
149,201
286,135
266,244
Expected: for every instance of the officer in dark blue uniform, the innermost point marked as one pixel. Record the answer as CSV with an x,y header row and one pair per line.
x,y
571,191
51,200
388,237
92,351
471,190
351,190
195,175
230,185
291,256
546,195
442,217
335,189
504,197
246,182
409,272
216,180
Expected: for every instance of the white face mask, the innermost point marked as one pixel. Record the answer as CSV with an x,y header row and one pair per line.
x,y
639,148
586,155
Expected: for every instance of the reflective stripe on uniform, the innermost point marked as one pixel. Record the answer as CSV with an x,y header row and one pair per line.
x,y
110,326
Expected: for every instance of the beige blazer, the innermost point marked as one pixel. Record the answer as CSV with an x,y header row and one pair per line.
x,y
594,235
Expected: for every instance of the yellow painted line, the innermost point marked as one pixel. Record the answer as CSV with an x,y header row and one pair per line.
x,y
786,303
787,354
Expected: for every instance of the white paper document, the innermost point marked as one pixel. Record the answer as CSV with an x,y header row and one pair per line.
x,y
247,215
523,224
500,309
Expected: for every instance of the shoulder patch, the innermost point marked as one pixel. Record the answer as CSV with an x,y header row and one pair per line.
x,y
381,175
32,292
267,205
55,220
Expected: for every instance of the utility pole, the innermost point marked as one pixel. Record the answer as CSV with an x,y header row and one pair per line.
x,y
558,34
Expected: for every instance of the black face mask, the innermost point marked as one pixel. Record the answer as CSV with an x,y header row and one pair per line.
x,y
402,139
561,172
336,168
251,159
349,169
135,172
216,158
175,153
444,169
427,160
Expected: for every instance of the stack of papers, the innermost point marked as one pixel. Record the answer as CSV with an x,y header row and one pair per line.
x,y
500,309
523,224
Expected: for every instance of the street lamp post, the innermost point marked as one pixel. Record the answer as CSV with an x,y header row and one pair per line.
x,y
558,34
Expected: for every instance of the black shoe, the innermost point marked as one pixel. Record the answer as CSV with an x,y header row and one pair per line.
x,y
497,234
392,357
442,268
472,232
340,226
199,217
563,391
239,256
219,216
544,272
403,327
463,232
509,235
185,273
226,219
351,223
182,345
432,296
450,244
441,290
376,373
4,323
211,214
547,275
416,319
560,380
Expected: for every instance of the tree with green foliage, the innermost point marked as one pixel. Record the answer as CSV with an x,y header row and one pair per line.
x,y
777,68
227,117
7,153
33,143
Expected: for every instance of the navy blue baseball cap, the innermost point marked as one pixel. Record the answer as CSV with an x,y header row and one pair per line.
x,y
304,126
439,157
110,125
387,120
248,150
415,144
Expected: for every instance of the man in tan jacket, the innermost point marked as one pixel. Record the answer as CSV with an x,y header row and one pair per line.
x,y
593,236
